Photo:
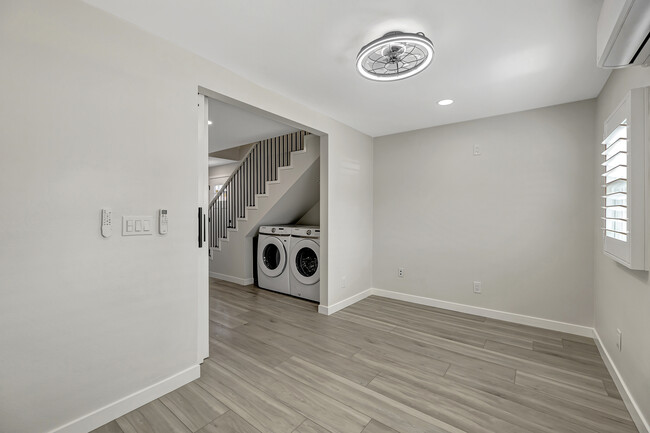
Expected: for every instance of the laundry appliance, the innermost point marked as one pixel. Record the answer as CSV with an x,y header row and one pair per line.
x,y
304,262
273,247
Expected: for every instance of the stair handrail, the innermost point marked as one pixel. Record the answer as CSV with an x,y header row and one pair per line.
x,y
257,167
241,162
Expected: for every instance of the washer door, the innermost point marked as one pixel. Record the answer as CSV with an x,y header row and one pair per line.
x,y
305,261
273,256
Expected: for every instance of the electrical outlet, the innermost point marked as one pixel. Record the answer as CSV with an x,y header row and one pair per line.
x,y
477,150
619,340
477,287
343,282
400,272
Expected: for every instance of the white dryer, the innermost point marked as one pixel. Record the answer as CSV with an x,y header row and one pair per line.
x,y
304,262
272,258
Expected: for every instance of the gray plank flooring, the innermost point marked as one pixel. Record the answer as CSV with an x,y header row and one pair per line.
x,y
381,366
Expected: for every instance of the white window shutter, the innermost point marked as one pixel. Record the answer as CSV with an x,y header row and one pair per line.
x,y
624,174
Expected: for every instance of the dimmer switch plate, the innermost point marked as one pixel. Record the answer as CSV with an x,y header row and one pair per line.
x,y
137,225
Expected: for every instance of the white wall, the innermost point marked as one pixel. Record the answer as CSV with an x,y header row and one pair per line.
x,y
94,113
311,217
223,170
622,298
517,217
349,215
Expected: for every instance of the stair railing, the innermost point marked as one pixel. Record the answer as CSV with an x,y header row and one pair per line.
x,y
259,166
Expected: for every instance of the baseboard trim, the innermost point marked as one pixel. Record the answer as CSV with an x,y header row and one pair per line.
x,y
538,322
230,279
126,404
331,309
641,423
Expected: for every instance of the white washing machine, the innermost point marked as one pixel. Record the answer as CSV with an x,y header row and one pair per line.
x,y
304,262
272,258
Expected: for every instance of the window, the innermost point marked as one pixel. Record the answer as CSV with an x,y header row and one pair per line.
x,y
214,190
616,183
624,175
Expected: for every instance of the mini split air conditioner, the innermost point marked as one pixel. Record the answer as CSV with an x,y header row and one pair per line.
x,y
623,31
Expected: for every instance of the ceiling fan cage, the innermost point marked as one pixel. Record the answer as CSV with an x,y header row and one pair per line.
x,y
395,56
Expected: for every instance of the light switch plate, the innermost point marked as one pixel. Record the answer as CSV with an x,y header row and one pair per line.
x,y
137,225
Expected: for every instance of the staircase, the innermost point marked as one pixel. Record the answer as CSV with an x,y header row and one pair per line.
x,y
275,183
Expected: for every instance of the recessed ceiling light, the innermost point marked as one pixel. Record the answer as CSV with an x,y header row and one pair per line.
x,y
446,102
395,56
209,122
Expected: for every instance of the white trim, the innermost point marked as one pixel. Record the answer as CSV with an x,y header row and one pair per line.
x,y
126,404
236,280
331,309
203,259
642,424
538,322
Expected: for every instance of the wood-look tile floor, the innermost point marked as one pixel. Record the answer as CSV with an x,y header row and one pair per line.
x,y
381,366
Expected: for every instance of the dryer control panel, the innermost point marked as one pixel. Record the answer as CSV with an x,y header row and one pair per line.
x,y
306,231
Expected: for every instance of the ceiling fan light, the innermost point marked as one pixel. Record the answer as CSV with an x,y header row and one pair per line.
x,y
395,56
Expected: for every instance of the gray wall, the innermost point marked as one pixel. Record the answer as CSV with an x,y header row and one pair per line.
x,y
622,296
517,218
312,217
224,170
95,112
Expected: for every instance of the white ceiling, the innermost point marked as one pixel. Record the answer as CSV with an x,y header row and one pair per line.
x,y
492,57
232,126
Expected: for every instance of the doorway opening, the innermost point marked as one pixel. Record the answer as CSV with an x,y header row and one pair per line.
x,y
262,191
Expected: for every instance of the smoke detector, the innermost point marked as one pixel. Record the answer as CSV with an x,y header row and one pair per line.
x,y
395,56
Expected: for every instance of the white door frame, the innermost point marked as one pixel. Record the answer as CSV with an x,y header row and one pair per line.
x,y
203,289
324,187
